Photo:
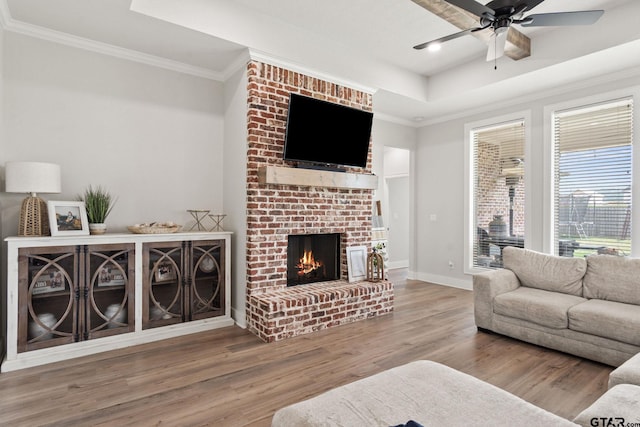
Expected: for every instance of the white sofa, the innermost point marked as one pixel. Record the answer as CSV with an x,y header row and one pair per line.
x,y
589,307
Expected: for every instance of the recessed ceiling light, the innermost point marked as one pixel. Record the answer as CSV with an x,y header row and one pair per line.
x,y
434,47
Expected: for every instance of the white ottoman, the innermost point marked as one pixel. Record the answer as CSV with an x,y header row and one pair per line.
x,y
627,373
426,392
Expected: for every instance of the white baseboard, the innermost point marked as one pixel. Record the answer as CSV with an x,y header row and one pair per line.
x,y
453,282
99,345
239,317
398,264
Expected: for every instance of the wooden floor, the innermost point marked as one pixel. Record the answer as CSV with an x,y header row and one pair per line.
x,y
230,378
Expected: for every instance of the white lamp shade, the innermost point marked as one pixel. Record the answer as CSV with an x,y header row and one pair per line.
x,y
32,177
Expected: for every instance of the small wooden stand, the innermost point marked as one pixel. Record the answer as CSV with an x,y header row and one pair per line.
x,y
375,267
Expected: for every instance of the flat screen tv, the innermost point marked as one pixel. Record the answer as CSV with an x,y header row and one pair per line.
x,y
325,133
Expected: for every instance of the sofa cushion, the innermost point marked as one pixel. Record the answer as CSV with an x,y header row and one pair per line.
x,y
547,272
608,319
535,305
613,278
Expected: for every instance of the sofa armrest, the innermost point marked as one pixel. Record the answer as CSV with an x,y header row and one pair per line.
x,y
486,286
627,373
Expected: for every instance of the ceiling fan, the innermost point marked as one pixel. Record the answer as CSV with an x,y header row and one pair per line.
x,y
499,15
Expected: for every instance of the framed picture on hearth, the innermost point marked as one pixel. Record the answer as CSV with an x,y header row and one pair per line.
x,y
357,263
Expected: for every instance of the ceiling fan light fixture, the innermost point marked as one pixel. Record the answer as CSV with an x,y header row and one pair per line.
x,y
499,30
434,47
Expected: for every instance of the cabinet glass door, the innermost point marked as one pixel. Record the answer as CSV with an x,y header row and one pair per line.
x,y
109,280
206,287
48,297
164,285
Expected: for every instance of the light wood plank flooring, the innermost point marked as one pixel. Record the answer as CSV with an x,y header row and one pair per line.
x,y
230,378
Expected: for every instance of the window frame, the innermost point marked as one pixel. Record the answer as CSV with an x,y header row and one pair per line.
x,y
548,238
469,184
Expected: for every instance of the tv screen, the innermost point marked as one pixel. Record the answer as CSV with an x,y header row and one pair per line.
x,y
326,133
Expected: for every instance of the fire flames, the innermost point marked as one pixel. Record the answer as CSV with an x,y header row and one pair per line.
x,y
307,263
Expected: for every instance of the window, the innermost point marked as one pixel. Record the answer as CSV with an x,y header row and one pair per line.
x,y
592,179
498,197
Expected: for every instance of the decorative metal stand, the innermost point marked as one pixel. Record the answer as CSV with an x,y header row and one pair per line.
x,y
199,215
217,221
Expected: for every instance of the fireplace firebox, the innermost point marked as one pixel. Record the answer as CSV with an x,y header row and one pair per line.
x,y
313,258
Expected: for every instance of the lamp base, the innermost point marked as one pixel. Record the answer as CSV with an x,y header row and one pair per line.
x,y
34,220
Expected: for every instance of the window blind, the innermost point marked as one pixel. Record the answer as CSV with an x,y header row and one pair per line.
x,y
498,194
593,162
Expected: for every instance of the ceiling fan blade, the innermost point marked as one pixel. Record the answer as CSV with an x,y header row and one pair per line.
x,y
585,17
446,38
497,43
474,7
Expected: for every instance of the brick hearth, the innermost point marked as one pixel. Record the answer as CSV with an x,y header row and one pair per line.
x,y
309,308
275,211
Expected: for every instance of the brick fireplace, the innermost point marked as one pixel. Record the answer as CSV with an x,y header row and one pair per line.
x,y
274,212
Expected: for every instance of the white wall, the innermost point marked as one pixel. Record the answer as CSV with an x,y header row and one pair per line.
x,y
398,221
397,162
388,134
235,187
150,136
440,180
3,254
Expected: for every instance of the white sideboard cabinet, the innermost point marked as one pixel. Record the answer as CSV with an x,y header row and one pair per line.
x,y
72,296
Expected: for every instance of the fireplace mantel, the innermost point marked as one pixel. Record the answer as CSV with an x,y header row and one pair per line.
x,y
316,178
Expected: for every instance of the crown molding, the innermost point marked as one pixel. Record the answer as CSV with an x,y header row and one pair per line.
x,y
240,63
394,119
608,78
255,55
10,24
5,15
279,62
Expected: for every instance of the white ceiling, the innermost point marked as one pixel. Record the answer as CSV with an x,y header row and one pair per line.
x,y
367,43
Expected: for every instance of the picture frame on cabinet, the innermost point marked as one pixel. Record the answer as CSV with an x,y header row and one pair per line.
x,y
357,263
110,276
68,218
51,280
165,272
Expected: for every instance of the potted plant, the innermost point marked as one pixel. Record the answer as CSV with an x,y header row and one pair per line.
x,y
98,203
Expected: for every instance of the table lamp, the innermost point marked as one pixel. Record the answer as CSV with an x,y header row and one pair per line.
x,y
32,178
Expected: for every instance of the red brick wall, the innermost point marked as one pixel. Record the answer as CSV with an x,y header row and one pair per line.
x,y
275,211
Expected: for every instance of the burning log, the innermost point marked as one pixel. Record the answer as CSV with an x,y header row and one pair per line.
x,y
307,265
